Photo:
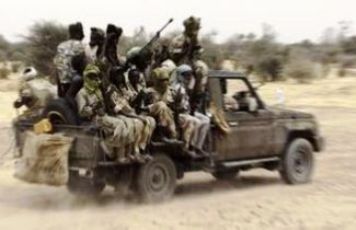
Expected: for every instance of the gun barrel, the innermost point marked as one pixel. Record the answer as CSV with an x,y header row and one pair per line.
x,y
157,35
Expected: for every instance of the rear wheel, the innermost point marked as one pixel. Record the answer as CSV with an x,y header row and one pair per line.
x,y
156,180
82,186
298,162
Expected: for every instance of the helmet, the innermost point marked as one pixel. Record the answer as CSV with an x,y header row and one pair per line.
x,y
160,74
29,73
133,52
169,64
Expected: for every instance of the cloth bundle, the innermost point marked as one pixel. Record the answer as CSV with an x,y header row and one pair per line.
x,y
44,159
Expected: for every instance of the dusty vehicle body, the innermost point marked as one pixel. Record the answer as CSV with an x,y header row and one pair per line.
x,y
260,137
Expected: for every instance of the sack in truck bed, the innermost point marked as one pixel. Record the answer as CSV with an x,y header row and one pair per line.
x,y
44,159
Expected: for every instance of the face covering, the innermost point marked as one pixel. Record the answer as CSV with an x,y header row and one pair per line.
x,y
92,80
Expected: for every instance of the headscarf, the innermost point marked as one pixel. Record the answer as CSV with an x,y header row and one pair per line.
x,y
160,77
92,86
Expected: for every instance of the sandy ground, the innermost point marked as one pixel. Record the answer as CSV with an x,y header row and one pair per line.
x,y
258,199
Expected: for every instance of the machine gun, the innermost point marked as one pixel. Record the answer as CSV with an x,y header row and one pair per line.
x,y
156,37
146,49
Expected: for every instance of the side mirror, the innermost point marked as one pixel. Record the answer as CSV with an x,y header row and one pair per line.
x,y
252,104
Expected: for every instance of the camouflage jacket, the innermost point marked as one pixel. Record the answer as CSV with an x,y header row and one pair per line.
x,y
178,48
175,97
119,100
87,104
63,60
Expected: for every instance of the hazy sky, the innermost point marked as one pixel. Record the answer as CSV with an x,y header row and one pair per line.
x,y
293,20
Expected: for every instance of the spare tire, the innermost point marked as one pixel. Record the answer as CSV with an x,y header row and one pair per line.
x,y
58,111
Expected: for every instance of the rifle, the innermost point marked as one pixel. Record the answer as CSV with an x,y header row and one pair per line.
x,y
149,44
156,37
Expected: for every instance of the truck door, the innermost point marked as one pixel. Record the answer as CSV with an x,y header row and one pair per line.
x,y
251,131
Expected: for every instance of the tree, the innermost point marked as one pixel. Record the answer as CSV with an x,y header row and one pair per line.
x,y
4,48
212,55
42,42
299,65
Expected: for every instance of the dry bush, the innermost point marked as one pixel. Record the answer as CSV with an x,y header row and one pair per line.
x,y
4,73
42,42
15,66
301,70
346,62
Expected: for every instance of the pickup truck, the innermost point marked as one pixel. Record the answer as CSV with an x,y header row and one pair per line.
x,y
260,137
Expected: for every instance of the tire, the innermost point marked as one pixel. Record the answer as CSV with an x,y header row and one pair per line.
x,y
81,186
156,180
225,175
58,111
298,162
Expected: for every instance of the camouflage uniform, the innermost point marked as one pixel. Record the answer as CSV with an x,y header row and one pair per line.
x,y
90,103
135,87
139,128
201,123
70,62
159,98
63,60
185,49
141,63
189,124
172,98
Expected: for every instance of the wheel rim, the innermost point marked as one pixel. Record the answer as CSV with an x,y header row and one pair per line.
x,y
157,178
301,163
57,118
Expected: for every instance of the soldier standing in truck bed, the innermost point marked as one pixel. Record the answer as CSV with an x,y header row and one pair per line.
x,y
70,60
185,49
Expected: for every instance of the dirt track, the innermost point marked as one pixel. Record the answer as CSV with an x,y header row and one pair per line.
x,y
256,200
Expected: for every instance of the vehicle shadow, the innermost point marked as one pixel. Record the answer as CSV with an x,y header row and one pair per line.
x,y
205,187
44,198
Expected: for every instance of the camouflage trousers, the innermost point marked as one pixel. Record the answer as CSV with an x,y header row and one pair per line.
x,y
144,134
118,135
127,135
189,125
165,117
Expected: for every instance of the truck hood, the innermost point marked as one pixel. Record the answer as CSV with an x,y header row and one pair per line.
x,y
288,113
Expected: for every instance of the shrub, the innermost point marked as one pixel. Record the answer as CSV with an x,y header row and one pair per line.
x,y
346,62
301,70
270,67
4,73
15,66
42,42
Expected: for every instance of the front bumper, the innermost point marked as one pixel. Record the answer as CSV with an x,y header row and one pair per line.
x,y
319,143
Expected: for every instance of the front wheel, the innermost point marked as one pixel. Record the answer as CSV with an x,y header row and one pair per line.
x,y
156,180
297,162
